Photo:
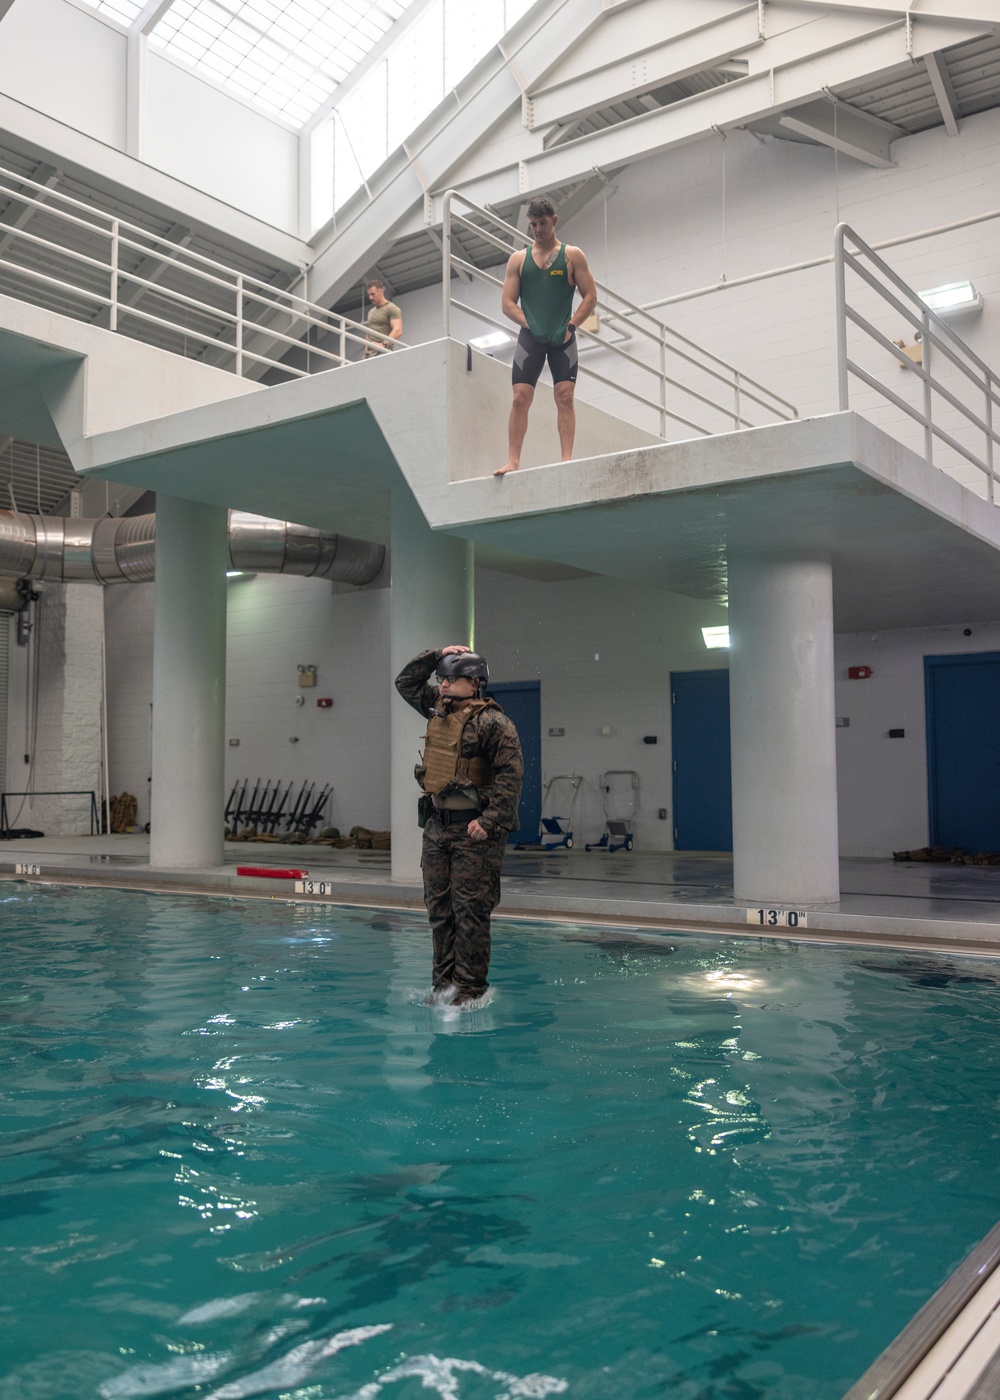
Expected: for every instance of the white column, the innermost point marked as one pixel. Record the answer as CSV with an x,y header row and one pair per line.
x,y
431,605
189,685
782,722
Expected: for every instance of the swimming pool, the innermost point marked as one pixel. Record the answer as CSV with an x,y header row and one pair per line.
x,y
240,1158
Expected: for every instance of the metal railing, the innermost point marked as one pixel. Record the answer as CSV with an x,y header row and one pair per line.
x,y
935,338
95,816
711,382
105,266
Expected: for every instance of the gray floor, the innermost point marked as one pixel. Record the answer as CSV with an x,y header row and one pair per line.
x,y
881,901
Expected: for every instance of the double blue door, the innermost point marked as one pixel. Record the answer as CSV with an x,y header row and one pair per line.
x,y
963,750
703,792
522,701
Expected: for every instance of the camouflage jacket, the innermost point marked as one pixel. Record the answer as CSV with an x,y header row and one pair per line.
x,y
489,734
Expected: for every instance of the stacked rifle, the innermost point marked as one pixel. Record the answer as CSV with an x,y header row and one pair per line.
x,y
263,813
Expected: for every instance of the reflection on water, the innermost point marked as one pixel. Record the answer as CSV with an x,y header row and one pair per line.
x,y
241,1157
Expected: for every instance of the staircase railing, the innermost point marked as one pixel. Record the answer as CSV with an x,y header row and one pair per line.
x,y
116,274
661,369
957,415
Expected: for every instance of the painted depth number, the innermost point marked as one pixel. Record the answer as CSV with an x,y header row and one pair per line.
x,y
27,869
778,918
323,888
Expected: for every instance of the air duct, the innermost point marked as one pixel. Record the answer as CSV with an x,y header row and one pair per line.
x,y
121,550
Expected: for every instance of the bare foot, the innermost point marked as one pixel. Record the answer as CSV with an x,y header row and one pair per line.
x,y
502,471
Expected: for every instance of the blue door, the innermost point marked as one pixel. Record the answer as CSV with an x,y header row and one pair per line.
x,y
703,792
522,701
963,750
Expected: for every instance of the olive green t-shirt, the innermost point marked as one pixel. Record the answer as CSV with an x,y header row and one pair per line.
x,y
547,297
380,319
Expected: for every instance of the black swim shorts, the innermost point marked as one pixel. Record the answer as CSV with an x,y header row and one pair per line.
x,y
530,355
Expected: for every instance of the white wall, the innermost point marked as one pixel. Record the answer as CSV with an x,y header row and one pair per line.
x,y
882,782
64,745
209,140
552,633
274,625
128,630
63,62
277,624
528,631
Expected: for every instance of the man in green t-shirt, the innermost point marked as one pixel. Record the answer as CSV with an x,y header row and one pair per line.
x,y
385,321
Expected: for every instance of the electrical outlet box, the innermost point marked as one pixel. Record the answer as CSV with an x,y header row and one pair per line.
x,y
307,675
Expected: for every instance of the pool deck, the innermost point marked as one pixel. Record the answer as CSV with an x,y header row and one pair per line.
x,y
884,902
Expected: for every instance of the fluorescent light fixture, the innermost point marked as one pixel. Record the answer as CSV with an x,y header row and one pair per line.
x,y
952,298
715,637
494,341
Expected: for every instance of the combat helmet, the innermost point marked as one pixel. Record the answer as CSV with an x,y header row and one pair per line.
x,y
463,663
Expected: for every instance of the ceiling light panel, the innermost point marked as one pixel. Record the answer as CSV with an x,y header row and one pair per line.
x,y
284,56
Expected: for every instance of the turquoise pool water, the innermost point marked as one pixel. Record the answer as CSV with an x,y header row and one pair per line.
x,y
239,1157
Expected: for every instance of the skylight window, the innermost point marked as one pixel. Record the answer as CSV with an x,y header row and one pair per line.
x,y
284,56
125,11
430,57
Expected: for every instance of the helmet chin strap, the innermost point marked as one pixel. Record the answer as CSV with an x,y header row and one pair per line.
x,y
447,702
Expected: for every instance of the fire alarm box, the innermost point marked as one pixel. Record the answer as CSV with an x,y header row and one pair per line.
x,y
324,703
858,673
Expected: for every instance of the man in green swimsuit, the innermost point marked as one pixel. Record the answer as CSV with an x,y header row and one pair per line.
x,y
385,321
544,278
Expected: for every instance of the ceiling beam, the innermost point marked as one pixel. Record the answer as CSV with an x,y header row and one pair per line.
x,y
149,16
943,91
843,128
438,242
955,11
581,197
623,68
765,93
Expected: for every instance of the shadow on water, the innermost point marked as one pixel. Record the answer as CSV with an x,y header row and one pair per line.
x,y
934,972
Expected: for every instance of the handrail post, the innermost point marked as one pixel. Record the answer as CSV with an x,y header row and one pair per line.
x,y
736,386
663,382
928,400
113,310
239,323
840,278
343,342
446,262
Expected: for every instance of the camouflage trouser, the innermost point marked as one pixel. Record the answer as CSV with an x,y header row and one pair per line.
x,y
461,890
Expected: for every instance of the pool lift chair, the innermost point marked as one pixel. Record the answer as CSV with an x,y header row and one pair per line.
x,y
618,829
550,825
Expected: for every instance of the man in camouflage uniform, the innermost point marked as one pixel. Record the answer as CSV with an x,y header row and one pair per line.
x,y
471,775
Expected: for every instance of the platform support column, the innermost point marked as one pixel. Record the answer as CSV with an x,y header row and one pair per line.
x,y
431,605
782,723
189,685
